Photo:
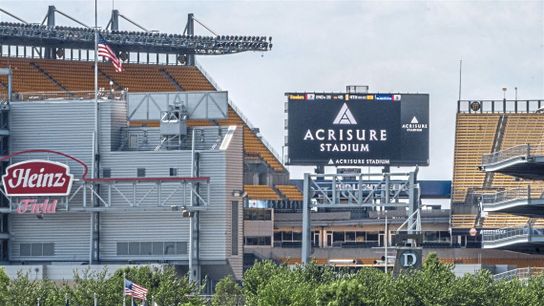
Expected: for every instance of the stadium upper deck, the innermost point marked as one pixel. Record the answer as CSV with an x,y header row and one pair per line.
x,y
485,127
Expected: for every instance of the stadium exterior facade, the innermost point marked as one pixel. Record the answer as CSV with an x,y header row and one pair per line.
x,y
146,195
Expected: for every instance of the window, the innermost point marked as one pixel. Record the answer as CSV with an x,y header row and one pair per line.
x,y
181,248
169,248
133,248
257,214
338,236
25,249
140,172
350,236
122,248
145,248
264,240
106,172
149,248
48,249
37,249
173,172
158,248
277,236
371,237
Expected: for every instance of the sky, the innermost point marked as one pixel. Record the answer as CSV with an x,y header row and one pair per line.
x,y
391,46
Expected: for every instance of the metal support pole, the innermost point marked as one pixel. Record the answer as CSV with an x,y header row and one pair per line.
x,y
190,31
50,52
305,255
115,20
387,185
91,238
10,80
194,263
385,241
413,201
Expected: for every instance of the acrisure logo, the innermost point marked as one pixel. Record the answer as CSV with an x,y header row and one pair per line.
x,y
344,116
414,126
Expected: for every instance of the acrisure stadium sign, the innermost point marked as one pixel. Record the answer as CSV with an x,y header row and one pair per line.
x,y
37,178
358,129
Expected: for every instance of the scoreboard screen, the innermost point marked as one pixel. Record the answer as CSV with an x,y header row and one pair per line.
x,y
343,129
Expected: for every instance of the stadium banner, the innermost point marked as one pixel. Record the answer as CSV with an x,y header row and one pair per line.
x,y
338,129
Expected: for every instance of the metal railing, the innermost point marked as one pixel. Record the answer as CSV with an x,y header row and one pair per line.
x,y
500,197
523,150
69,95
504,234
499,106
519,273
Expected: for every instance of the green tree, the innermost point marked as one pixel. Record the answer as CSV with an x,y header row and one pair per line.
x,y
4,283
228,293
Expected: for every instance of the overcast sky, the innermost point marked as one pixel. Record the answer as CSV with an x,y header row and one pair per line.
x,y
400,46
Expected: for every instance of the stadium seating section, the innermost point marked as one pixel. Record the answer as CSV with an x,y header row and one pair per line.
x,y
291,192
261,192
475,135
463,221
521,129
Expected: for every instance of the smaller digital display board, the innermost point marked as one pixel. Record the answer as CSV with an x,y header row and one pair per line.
x,y
348,129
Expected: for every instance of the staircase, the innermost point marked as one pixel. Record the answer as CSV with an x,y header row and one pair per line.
x,y
497,144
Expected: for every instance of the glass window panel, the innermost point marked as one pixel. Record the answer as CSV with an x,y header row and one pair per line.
x,y
169,248
24,249
122,248
181,248
134,248
48,249
36,249
372,237
158,248
350,236
145,248
338,236
297,236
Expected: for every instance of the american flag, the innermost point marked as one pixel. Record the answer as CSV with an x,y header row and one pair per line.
x,y
135,290
105,51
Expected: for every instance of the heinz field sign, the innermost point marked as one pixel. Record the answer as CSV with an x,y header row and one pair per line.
x,y
37,178
358,129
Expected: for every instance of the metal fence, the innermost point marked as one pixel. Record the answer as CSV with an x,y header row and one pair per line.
x,y
499,106
69,95
520,273
500,197
502,234
523,150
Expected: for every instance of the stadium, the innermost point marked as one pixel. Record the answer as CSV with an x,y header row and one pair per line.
x,y
164,169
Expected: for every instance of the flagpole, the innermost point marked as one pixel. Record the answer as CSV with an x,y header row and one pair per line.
x,y
124,298
95,52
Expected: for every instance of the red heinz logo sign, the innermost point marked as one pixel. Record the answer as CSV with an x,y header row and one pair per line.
x,y
37,178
